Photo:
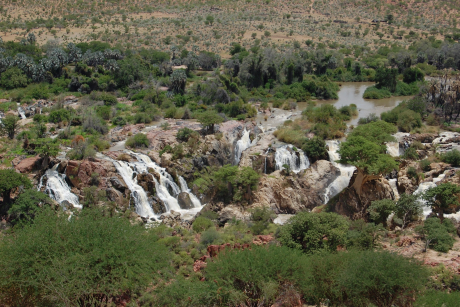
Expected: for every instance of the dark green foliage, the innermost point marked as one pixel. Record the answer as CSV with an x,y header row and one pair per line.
x,y
93,46
81,150
131,69
425,165
119,121
208,119
261,218
452,157
408,208
379,210
9,125
94,124
372,92
59,115
109,100
438,236
201,224
315,149
10,180
369,119
438,298
138,140
13,78
412,173
184,134
85,261
444,196
409,120
412,75
362,235
28,204
210,236
386,78
315,232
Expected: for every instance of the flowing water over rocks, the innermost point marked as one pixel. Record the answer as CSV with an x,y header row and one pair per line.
x,y
295,159
57,188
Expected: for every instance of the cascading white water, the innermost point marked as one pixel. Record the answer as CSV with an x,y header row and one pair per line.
x,y
57,188
241,145
21,113
393,148
394,187
289,157
346,172
142,205
420,190
184,187
166,180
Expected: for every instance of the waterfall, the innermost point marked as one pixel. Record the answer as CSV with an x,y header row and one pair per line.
x,y
21,113
393,148
57,188
167,189
142,205
394,187
265,165
241,145
346,172
183,185
420,190
296,162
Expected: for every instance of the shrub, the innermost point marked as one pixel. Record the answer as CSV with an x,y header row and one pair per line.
x,y
380,210
261,218
409,120
13,78
412,173
138,140
438,298
374,93
48,276
81,150
119,121
369,119
94,124
410,153
315,149
59,115
109,100
201,224
425,165
184,134
209,236
307,232
451,157
438,236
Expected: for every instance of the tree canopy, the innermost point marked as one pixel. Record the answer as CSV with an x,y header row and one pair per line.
x,y
10,180
442,197
208,119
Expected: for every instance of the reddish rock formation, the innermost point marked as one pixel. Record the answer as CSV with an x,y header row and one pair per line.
x,y
27,165
80,173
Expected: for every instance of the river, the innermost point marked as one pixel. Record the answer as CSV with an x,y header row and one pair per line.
x,y
350,92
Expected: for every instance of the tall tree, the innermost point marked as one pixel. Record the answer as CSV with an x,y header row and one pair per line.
x,y
10,180
444,196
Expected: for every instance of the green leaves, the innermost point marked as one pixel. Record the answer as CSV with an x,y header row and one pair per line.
x,y
442,197
87,259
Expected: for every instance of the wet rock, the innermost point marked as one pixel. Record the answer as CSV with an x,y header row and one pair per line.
x,y
292,194
114,195
157,205
146,182
62,166
232,212
118,183
357,197
184,201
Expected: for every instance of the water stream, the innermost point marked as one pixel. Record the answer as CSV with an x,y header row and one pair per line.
x,y
296,159
241,145
346,172
57,188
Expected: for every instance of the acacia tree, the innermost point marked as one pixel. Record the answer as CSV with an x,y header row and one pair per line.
x,y
208,119
46,148
442,197
365,149
8,125
10,180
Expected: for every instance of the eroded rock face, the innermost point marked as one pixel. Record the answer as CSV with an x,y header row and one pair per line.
x,y
354,203
292,194
27,165
80,173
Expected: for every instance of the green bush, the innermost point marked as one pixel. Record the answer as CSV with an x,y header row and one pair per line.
x,y
425,165
13,78
138,140
59,115
439,236
184,134
210,236
201,224
315,232
438,298
374,93
119,121
261,219
409,120
412,75
109,100
380,210
451,157
315,149
55,262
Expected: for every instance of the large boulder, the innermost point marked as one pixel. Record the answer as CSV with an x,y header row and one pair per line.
x,y
83,173
299,192
360,193
114,195
184,201
27,165
118,183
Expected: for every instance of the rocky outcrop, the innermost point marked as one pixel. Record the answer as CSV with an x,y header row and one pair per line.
x,y
259,157
28,165
353,202
292,194
114,195
184,201
118,183
87,173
